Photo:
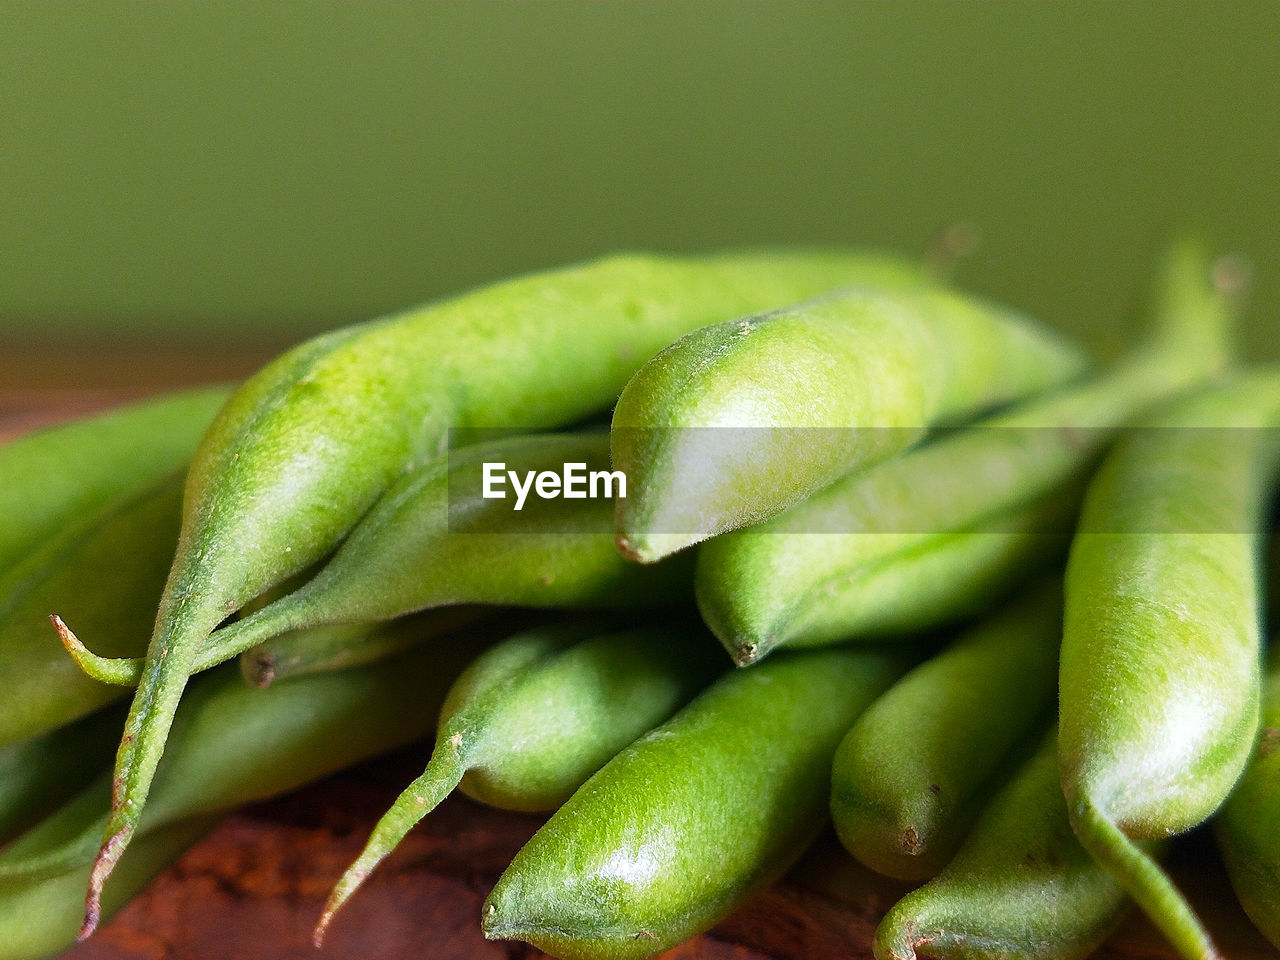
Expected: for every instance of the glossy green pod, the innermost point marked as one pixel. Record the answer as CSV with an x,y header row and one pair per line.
x,y
684,824
56,479
535,716
435,540
39,917
304,448
737,422
1248,826
1021,887
39,773
107,576
915,770
803,578
233,744
1159,680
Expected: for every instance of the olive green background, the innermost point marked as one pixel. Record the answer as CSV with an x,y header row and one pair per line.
x,y
263,170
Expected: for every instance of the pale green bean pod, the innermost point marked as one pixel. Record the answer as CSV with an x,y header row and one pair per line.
x,y
917,768
234,744
109,576
1021,887
39,917
737,422
1159,682
684,824
53,481
39,773
534,717
813,574
435,541
1248,826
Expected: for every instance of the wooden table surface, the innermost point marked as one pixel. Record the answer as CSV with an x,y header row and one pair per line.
x,y
252,889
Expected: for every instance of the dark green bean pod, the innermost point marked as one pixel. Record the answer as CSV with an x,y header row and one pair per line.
x,y
434,540
801,578
943,579
1021,887
534,717
346,645
56,479
108,576
303,449
1248,826
684,824
39,917
233,744
916,769
39,773
737,422
1159,681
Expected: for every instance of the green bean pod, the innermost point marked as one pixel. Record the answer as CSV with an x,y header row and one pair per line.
x,y
345,645
58,478
944,579
915,770
435,540
304,448
800,578
233,744
681,826
737,422
1159,680
109,576
534,717
1021,887
1248,826
39,917
41,772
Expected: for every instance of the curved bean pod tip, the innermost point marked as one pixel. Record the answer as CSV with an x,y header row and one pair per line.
x,y
1020,887
916,769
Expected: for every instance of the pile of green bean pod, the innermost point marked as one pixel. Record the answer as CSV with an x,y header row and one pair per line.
x,y
992,614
